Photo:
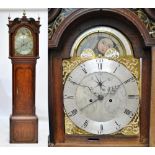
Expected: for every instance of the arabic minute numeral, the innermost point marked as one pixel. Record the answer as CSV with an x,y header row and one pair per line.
x,y
117,125
85,124
70,79
83,69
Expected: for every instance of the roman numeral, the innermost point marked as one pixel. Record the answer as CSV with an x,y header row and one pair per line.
x,y
127,112
101,129
72,113
116,68
68,97
99,64
133,96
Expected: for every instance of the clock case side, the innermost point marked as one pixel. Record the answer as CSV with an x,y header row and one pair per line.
x,y
60,45
23,121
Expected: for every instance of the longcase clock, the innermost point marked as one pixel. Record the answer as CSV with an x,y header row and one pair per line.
x,y
101,84
24,51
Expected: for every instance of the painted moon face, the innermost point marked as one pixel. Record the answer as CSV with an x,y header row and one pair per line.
x,y
99,40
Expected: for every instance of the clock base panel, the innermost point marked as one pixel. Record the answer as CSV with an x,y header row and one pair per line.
x,y
23,129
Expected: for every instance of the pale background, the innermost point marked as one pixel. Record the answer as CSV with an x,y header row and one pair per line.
x,y
72,4
6,75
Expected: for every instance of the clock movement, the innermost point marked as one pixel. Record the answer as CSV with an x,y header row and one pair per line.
x,y
24,51
100,78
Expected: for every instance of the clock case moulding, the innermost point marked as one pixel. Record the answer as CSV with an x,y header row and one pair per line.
x,y
23,121
60,44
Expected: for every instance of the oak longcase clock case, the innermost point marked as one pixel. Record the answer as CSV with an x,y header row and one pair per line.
x,y
24,51
101,77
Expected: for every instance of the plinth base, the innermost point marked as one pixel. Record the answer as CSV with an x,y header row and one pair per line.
x,y
23,129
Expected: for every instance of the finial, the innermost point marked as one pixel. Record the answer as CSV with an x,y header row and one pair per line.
x,y
9,17
24,13
38,17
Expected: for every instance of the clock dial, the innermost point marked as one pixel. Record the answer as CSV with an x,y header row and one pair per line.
x,y
101,40
98,99
23,42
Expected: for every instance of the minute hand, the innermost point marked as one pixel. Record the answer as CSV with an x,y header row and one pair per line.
x,y
73,82
128,80
115,88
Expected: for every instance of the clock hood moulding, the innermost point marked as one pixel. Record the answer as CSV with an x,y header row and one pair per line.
x,y
24,20
78,15
33,25
64,34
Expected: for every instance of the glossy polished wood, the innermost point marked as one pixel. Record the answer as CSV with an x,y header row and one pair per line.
x,y
152,114
23,121
80,141
80,15
23,88
60,45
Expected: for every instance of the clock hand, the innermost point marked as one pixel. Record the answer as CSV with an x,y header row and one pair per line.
x,y
25,43
99,82
91,102
113,89
73,82
99,98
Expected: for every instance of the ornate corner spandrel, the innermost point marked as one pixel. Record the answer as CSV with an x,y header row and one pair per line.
x,y
145,18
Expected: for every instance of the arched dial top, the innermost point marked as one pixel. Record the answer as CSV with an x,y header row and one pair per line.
x,y
101,96
103,40
23,42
